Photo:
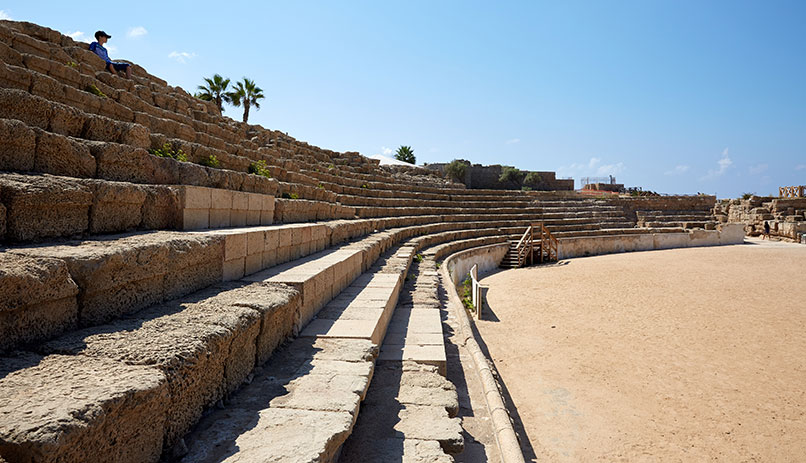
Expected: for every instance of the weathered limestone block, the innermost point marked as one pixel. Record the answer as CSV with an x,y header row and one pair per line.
x,y
9,55
64,73
192,174
126,164
191,356
161,208
59,408
42,33
134,135
47,87
116,206
18,146
27,44
59,155
67,120
43,206
277,304
21,105
15,77
37,299
122,275
193,264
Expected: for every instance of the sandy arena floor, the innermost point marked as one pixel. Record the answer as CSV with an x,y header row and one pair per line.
x,y
680,355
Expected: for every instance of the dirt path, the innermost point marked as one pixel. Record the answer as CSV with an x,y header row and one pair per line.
x,y
680,355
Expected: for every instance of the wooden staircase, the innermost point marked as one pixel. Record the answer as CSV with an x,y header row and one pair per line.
x,y
536,245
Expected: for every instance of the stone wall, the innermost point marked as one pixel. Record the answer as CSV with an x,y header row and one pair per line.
x,y
482,177
786,216
598,245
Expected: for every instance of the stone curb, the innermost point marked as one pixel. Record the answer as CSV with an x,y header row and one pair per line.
x,y
505,435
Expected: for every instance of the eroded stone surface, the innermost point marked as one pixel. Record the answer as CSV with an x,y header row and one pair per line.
x,y
67,408
122,274
43,206
37,299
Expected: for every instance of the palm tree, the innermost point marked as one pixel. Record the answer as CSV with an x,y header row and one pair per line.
x,y
215,90
405,154
248,94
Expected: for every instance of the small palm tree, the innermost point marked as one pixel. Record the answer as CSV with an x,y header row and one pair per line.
x,y
215,90
246,93
405,154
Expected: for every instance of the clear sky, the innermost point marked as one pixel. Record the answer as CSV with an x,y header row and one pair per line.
x,y
676,96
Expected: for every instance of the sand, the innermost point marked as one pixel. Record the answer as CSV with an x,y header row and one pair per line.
x,y
679,355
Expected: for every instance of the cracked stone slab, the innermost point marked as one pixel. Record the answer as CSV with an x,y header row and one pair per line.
x,y
397,450
413,384
270,435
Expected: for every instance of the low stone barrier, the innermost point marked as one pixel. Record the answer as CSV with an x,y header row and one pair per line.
x,y
453,271
597,245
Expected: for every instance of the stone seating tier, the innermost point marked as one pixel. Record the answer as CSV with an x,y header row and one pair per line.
x,y
97,280
209,342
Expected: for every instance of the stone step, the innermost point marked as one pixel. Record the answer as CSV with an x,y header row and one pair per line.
x,y
41,207
310,392
83,283
409,411
162,366
310,388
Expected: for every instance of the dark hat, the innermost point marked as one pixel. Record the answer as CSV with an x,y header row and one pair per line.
x,y
102,34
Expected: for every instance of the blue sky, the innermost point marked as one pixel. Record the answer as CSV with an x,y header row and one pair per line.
x,y
677,96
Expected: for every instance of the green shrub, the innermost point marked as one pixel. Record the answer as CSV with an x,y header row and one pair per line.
x,y
167,151
456,170
260,168
467,290
211,161
510,174
532,179
95,91
747,195
418,258
526,188
72,64
290,196
365,186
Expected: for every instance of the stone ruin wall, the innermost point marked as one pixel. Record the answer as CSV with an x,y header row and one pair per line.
x,y
482,177
786,216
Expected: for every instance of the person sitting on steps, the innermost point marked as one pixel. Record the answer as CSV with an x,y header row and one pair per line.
x,y
111,66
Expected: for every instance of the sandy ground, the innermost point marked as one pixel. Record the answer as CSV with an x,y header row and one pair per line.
x,y
679,355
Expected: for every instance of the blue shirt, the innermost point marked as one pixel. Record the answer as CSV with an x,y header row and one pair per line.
x,y
99,50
